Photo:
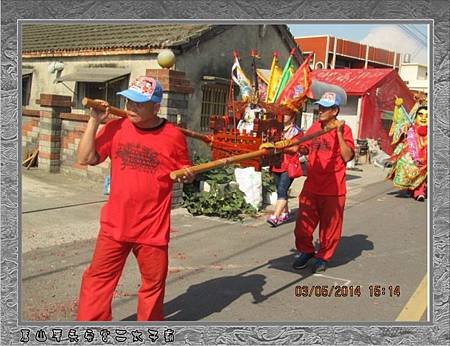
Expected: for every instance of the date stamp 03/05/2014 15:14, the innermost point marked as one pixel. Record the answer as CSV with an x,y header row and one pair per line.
x,y
343,291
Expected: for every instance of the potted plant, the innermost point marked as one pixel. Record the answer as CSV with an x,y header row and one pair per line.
x,y
213,193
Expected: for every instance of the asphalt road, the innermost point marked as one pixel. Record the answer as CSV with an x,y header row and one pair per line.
x,y
230,271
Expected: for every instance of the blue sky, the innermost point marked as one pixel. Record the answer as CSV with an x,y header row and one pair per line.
x,y
402,38
353,32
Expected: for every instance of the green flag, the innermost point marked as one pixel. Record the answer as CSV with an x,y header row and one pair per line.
x,y
285,75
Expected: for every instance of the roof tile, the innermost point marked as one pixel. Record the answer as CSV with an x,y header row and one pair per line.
x,y
72,37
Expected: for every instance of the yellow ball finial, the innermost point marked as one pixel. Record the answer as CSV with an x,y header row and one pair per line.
x,y
166,58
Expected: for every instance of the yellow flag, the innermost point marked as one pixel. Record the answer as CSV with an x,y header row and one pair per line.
x,y
273,83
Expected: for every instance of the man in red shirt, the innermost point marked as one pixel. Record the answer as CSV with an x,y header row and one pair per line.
x,y
322,199
143,150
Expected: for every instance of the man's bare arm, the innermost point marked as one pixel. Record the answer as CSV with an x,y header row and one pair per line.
x,y
86,154
346,152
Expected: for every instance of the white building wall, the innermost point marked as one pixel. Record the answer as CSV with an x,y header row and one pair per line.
x,y
422,72
43,80
348,113
408,72
415,76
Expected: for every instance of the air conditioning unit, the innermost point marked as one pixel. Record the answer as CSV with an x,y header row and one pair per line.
x,y
55,66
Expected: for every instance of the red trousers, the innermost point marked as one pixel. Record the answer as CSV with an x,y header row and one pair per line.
x,y
101,277
327,211
419,191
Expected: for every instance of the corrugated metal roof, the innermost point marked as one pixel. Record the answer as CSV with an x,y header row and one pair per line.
x,y
353,81
75,37
94,74
26,71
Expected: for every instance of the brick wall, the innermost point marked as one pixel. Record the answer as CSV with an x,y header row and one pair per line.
x,y
30,134
174,104
56,132
71,132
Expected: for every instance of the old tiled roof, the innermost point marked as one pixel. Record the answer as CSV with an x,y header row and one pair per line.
x,y
79,37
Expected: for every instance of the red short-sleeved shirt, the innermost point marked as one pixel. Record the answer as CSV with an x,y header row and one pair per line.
x,y
138,208
326,167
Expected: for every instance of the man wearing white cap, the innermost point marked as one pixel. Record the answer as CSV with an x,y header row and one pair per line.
x,y
143,150
322,199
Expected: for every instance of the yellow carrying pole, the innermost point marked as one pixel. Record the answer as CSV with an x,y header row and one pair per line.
x,y
268,149
196,135
87,102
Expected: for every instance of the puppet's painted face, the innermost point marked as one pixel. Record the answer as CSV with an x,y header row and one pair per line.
x,y
422,117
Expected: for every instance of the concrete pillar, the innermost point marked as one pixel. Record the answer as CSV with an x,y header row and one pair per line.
x,y
333,62
174,106
367,56
176,93
50,130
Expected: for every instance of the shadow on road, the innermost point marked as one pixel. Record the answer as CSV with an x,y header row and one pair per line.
x,y
352,177
204,299
213,296
349,249
400,193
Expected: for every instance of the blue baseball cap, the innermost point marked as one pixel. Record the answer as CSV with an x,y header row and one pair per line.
x,y
144,89
329,99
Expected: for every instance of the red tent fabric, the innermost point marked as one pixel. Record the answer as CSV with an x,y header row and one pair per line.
x,y
353,81
377,89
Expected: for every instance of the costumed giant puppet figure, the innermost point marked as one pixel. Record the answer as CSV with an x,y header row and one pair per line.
x,y
410,137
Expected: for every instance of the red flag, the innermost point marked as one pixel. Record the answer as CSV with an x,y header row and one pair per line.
x,y
297,87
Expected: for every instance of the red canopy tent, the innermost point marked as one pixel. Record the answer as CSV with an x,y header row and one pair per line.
x,y
377,89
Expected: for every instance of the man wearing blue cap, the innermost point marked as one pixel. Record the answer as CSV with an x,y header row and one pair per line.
x,y
322,199
143,150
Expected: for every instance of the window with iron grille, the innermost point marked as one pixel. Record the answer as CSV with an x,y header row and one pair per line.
x,y
315,114
103,91
214,102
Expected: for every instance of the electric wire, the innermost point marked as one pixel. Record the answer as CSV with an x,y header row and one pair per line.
x,y
412,34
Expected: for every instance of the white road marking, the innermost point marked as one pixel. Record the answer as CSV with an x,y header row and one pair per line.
x,y
346,281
